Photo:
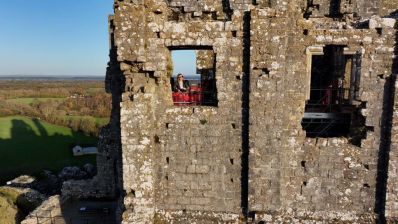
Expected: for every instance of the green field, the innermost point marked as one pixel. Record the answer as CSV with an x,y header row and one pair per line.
x,y
102,121
28,145
29,101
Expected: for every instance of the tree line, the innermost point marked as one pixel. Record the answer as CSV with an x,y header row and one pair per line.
x,y
77,107
47,89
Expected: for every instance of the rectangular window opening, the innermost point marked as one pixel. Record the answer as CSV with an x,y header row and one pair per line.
x,y
334,8
193,80
332,109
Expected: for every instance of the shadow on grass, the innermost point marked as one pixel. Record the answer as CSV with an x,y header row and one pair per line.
x,y
30,152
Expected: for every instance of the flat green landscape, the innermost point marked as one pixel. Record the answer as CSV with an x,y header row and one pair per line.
x,y
29,145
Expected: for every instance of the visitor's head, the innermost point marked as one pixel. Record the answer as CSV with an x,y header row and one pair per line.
x,y
180,76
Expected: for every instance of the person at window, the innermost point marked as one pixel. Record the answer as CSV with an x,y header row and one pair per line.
x,y
181,85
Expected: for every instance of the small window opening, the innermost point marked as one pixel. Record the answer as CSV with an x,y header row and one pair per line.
x,y
193,80
265,72
332,110
312,9
379,31
156,139
334,9
174,15
305,32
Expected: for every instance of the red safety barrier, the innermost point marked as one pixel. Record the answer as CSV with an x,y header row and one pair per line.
x,y
196,95
181,99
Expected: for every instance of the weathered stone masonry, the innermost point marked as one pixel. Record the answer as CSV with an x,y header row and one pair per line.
x,y
248,159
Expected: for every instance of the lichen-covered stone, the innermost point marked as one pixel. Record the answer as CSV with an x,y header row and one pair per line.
x,y
249,159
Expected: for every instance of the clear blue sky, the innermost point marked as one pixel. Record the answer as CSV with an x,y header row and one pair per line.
x,y
54,37
62,37
184,61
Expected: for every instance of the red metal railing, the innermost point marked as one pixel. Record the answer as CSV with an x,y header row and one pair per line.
x,y
195,95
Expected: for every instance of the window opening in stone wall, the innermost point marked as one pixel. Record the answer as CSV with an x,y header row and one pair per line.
x,y
332,109
318,9
334,8
193,81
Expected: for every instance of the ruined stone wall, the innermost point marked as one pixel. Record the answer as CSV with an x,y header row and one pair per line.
x,y
182,158
248,157
387,7
204,61
392,181
392,184
319,177
358,9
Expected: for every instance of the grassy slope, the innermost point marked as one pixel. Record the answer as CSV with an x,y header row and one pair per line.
x,y
28,146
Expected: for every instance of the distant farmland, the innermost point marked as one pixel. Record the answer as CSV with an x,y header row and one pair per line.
x,y
30,100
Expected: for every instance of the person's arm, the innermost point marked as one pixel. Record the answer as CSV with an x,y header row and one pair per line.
x,y
187,84
177,87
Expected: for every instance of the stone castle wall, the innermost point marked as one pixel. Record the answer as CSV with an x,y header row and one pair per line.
x,y
248,158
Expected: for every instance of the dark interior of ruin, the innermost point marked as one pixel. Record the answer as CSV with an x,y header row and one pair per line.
x,y
334,79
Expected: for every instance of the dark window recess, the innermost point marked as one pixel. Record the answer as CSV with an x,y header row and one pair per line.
x,y
316,9
334,8
379,31
312,9
265,72
333,109
198,89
